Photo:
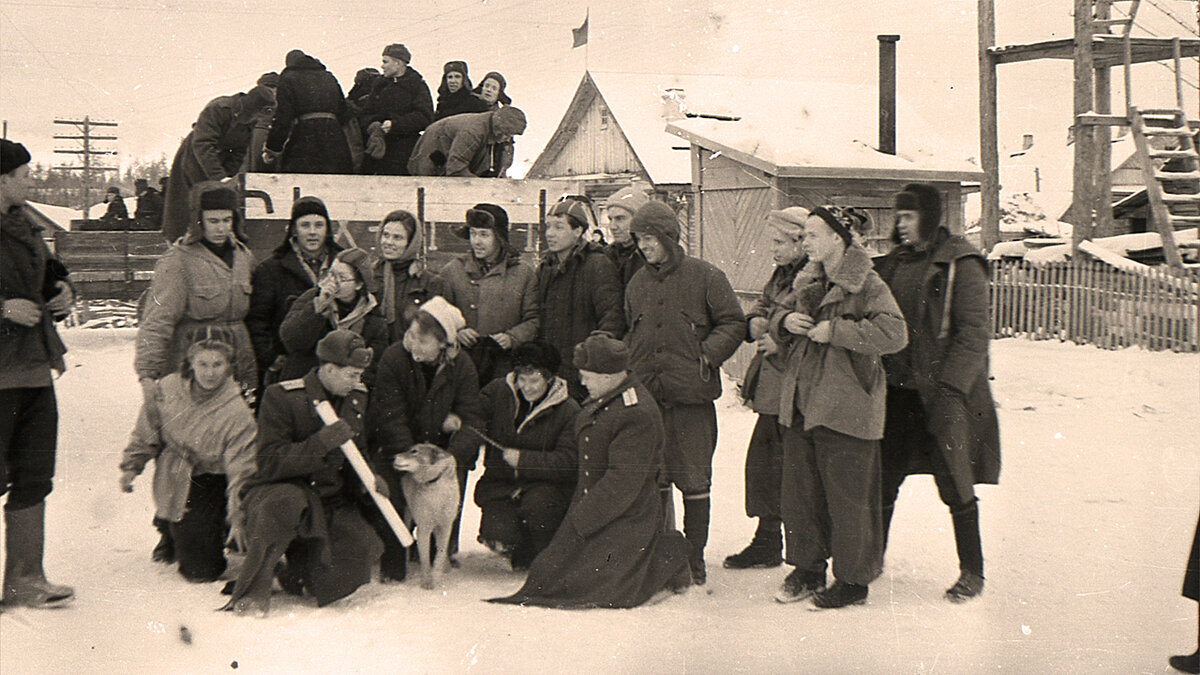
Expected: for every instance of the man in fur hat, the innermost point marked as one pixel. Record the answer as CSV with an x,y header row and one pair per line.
x,y
495,291
684,322
940,415
34,294
304,498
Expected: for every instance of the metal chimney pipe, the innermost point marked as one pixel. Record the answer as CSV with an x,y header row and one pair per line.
x,y
887,93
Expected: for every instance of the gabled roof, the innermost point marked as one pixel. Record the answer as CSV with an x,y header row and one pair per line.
x,y
52,217
821,129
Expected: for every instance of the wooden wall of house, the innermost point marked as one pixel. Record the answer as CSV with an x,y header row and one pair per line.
x,y
597,146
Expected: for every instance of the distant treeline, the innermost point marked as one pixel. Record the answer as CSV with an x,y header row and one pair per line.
x,y
60,187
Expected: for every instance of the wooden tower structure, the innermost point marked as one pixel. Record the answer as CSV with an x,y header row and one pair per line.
x,y
1165,138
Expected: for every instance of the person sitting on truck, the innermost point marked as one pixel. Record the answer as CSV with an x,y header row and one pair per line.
x,y
455,95
463,145
116,213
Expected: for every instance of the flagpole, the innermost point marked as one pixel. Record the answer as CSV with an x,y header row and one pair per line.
x,y
587,18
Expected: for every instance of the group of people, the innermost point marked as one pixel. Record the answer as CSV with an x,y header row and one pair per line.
x,y
589,380
299,121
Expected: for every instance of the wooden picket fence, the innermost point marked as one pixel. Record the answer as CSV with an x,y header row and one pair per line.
x,y
1091,302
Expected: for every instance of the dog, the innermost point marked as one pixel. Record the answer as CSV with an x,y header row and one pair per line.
x,y
430,487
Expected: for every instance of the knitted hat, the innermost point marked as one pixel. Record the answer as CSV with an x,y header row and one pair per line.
x,y
509,121
218,197
398,51
12,155
575,211
789,221
485,216
845,220
344,348
626,198
114,190
270,79
365,74
600,353
537,355
926,201
658,220
259,97
360,260
502,97
307,206
447,315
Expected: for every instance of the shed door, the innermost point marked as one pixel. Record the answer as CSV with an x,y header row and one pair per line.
x,y
734,235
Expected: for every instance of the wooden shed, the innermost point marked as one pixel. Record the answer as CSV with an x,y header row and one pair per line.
x,y
743,169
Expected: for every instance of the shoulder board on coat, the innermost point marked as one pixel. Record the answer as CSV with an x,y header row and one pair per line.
x,y
360,387
629,397
292,385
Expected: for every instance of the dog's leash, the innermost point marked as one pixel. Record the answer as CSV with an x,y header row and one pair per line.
x,y
484,437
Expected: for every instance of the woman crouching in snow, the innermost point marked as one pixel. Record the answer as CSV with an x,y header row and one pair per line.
x,y
200,432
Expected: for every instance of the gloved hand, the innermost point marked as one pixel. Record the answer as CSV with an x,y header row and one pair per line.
x,y
451,424
23,312
333,436
376,145
126,480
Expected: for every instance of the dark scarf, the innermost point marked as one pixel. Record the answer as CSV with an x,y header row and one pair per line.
x,y
224,250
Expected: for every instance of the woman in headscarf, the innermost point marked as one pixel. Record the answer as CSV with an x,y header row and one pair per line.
x,y
454,93
200,433
401,284
340,300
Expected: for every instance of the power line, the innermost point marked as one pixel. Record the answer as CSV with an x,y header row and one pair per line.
x,y
33,46
1174,18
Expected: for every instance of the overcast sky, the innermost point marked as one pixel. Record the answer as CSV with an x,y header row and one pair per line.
x,y
151,66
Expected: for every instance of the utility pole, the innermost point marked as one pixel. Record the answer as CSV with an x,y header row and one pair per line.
x,y
89,153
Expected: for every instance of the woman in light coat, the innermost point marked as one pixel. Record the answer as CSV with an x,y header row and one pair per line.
x,y
200,432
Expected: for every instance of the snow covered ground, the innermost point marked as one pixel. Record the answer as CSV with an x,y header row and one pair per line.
x,y
1085,539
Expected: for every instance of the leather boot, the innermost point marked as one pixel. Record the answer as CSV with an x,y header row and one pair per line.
x,y
24,577
695,530
970,552
765,550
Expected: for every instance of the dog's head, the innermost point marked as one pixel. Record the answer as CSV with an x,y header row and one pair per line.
x,y
425,462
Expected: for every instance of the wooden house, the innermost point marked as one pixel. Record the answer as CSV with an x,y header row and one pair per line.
x,y
613,134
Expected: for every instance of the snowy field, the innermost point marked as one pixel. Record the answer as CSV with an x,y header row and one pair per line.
x,y
1085,540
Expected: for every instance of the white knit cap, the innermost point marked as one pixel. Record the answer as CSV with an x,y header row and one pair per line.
x,y
447,315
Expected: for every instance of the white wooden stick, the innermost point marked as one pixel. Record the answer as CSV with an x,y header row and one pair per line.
x,y
367,476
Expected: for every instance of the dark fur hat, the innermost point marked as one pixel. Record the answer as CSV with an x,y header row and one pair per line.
x,y
537,355
601,353
926,201
344,348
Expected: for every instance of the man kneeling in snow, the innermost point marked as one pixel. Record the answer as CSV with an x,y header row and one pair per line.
x,y
304,497
611,550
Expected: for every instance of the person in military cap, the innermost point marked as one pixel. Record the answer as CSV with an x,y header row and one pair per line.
x,y
612,548
304,498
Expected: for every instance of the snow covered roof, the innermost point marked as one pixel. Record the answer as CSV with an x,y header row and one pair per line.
x,y
822,129
796,128
60,216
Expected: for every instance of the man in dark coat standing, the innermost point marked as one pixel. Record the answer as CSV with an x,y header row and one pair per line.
x,y
684,322
34,293
577,288
397,111
306,133
215,149
613,548
940,415
623,251
304,498
760,390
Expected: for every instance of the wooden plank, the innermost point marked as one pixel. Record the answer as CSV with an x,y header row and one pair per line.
x,y
989,144
353,197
